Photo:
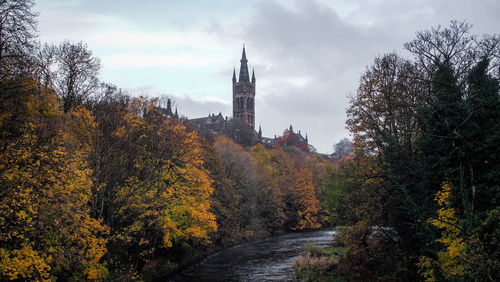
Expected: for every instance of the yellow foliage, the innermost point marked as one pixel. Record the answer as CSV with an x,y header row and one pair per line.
x,y
24,264
426,266
451,258
167,197
46,189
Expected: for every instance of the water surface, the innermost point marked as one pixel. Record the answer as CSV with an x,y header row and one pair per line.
x,y
269,259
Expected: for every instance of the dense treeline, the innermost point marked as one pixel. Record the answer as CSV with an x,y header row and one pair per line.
x,y
422,194
96,184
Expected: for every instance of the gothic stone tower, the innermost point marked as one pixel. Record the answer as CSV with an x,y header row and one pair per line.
x,y
244,94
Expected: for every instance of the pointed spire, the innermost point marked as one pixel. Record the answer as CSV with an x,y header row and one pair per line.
x,y
244,68
260,132
176,115
234,75
253,76
244,55
291,129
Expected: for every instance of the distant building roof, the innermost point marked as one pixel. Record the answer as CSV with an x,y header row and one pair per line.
x,y
214,124
210,119
268,141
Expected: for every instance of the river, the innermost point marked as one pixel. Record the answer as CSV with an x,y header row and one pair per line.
x,y
269,259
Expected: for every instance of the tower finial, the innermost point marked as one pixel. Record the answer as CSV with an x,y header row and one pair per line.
x,y
244,68
253,76
234,74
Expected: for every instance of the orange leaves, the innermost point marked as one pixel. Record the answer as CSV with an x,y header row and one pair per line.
x,y
290,194
305,200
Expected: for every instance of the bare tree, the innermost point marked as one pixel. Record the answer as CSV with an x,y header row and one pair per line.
x,y
17,35
71,70
454,45
343,148
45,61
77,75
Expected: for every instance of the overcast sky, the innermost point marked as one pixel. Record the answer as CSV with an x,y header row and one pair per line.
x,y
308,55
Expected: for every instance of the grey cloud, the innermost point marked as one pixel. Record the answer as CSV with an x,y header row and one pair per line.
x,y
193,108
308,54
310,37
186,105
307,41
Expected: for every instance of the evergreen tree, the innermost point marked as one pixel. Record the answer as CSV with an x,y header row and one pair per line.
x,y
441,123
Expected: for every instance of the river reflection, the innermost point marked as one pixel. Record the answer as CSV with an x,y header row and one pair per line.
x,y
269,259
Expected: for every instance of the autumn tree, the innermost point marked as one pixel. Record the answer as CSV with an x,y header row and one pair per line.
x,y
451,260
239,168
305,204
225,198
271,198
386,132
163,198
414,125
46,231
